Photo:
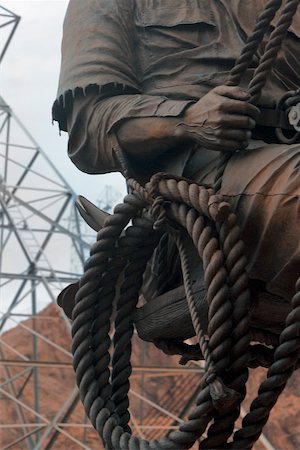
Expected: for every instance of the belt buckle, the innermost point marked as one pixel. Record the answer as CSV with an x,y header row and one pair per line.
x,y
294,116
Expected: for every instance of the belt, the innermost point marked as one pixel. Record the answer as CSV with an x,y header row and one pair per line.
x,y
273,118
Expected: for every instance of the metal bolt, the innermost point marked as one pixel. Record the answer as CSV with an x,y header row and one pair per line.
x,y
294,115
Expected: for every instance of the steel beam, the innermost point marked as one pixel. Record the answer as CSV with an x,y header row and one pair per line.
x,y
153,370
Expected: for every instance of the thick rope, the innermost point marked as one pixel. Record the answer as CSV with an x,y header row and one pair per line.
x,y
220,316
272,48
133,278
266,63
224,426
216,360
107,404
254,40
237,374
184,191
285,360
97,394
255,87
215,274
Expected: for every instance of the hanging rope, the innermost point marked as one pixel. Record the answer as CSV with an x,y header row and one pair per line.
x,y
266,63
106,403
181,207
223,427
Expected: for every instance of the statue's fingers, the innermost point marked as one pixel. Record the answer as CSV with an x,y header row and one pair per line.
x,y
238,122
233,92
234,134
241,108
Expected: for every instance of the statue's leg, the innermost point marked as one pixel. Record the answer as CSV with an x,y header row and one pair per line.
x,y
163,272
263,186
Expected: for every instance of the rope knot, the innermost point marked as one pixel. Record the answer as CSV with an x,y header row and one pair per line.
x,y
219,210
223,398
152,185
187,352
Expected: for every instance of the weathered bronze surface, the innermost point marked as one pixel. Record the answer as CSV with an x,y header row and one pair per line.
x,y
151,86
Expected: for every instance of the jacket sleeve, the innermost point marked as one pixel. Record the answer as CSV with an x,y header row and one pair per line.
x,y
91,123
99,82
97,51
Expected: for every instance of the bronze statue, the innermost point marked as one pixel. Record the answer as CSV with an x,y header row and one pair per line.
x,y
144,89
151,75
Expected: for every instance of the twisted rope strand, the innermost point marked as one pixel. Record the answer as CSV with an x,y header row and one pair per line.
x,y
285,360
272,48
254,40
266,63
133,278
237,375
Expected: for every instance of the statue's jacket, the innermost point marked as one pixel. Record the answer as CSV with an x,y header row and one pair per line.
x,y
146,58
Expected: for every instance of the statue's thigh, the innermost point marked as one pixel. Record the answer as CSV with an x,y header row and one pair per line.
x,y
263,187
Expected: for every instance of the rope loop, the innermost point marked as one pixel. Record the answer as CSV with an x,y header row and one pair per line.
x,y
225,345
198,210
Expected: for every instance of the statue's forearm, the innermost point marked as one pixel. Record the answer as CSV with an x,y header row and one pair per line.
x,y
221,120
149,137
144,125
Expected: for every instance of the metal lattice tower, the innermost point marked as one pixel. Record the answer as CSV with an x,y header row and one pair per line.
x,y
40,234
36,243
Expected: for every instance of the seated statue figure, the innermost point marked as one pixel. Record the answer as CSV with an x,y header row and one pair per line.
x,y
149,77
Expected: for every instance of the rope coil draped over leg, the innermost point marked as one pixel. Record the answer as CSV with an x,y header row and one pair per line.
x,y
106,402
105,395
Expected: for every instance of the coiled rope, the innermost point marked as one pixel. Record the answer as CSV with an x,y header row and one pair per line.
x,y
177,206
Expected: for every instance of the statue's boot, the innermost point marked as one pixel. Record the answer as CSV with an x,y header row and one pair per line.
x,y
95,218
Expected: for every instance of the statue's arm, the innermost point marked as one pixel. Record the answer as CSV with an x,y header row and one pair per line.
x,y
222,120
144,126
148,138
99,52
148,126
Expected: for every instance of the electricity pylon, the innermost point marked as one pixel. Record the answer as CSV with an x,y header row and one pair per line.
x,y
36,244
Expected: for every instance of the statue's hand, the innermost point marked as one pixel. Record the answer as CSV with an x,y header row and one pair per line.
x,y
221,120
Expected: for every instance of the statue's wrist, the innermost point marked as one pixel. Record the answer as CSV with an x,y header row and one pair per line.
x,y
182,131
188,132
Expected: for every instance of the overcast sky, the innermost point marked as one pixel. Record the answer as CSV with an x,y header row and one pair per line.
x,y
28,83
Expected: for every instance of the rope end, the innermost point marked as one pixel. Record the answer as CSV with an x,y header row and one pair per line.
x,y
223,397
